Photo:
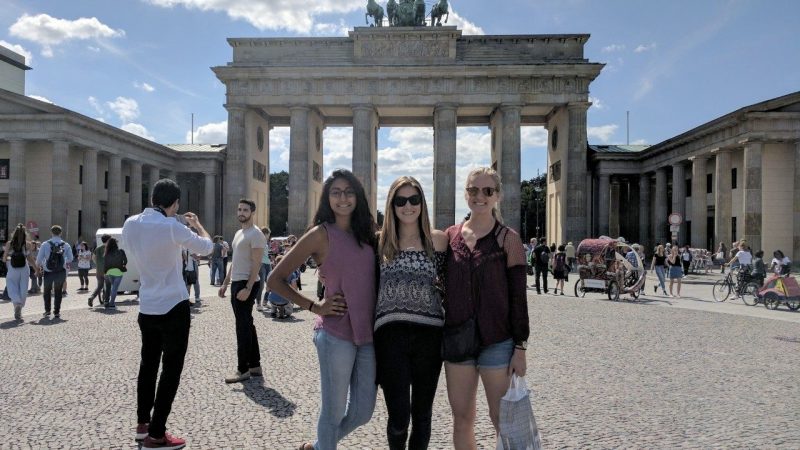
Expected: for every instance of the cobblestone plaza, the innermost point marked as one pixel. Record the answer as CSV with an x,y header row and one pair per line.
x,y
659,373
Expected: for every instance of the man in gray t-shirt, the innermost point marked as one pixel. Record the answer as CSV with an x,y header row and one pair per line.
x,y
248,249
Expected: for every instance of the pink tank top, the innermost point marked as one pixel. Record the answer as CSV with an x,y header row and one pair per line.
x,y
349,270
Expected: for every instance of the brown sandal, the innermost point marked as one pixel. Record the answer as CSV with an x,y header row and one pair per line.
x,y
304,444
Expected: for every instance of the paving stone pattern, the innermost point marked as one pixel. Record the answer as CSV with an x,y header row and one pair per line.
x,y
604,375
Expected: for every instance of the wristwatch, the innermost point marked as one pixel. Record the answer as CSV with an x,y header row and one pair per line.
x,y
521,345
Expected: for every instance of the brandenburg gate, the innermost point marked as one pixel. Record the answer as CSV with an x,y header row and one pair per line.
x,y
409,76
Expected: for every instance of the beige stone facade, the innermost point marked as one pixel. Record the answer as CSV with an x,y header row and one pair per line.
x,y
736,177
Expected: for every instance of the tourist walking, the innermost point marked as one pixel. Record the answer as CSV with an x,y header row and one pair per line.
x,y
570,251
675,270
155,240
103,284
84,264
342,242
409,315
485,288
18,258
263,273
560,268
686,259
115,264
225,250
191,276
248,249
721,256
541,263
35,274
659,264
217,272
52,258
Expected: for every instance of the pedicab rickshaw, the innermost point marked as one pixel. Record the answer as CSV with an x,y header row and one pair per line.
x,y
602,267
780,289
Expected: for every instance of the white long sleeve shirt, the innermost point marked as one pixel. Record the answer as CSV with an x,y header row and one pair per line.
x,y
155,242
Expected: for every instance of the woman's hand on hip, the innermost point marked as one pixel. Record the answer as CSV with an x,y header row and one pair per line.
x,y
332,306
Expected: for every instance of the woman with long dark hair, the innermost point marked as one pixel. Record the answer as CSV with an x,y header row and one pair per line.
x,y
115,262
342,241
409,315
18,256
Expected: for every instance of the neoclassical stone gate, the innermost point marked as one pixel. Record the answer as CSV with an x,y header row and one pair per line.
x,y
409,76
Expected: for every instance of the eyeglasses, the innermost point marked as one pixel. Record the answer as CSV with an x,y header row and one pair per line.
x,y
399,201
487,191
346,192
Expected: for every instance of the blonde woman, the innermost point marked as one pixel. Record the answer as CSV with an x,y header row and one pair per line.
x,y
658,263
486,286
675,270
409,315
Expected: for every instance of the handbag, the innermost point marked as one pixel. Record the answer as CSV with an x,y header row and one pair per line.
x,y
461,342
518,429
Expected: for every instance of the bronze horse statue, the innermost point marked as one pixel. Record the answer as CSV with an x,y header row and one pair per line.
x,y
437,11
419,13
391,12
376,12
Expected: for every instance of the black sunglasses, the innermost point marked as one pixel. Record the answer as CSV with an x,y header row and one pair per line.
x,y
399,201
487,191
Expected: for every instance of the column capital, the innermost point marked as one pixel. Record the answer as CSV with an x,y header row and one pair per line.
x,y
363,107
698,158
753,139
720,150
578,106
234,107
299,107
510,106
680,164
445,106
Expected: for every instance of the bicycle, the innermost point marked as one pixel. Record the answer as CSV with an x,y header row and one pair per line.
x,y
743,288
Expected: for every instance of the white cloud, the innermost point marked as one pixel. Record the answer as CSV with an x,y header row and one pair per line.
x,y
19,49
143,86
40,98
613,48
96,105
596,103
603,133
138,130
93,48
328,29
126,108
299,17
463,24
645,86
49,31
210,133
337,143
644,47
533,137
639,142
100,119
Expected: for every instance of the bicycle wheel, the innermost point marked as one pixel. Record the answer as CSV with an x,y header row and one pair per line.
x,y
721,291
613,291
771,301
580,289
750,294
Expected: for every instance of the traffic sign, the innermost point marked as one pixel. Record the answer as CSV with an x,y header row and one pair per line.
x,y
675,219
674,228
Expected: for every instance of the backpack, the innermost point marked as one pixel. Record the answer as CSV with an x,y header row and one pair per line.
x,y
544,258
559,262
55,261
17,259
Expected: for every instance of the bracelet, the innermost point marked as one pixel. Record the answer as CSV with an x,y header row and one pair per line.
x,y
519,347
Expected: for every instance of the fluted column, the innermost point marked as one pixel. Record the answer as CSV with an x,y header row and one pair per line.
x,y
115,190
614,226
153,176
660,219
510,168
699,203
90,205
722,198
16,189
796,228
298,170
365,151
444,165
644,210
135,197
603,203
752,226
236,170
679,197
60,172
209,193
575,201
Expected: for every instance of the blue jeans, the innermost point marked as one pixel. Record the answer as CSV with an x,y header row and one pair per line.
x,y
347,382
263,273
217,274
660,275
115,281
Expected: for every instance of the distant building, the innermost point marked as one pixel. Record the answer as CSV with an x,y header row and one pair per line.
x,y
12,71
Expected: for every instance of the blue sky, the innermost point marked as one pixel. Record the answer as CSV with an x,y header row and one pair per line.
x,y
143,65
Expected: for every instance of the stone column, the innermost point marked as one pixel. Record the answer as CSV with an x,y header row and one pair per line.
x,y
614,228
235,170
16,186
444,165
644,211
796,228
751,230
699,204
510,167
153,178
603,203
60,192
661,213
575,200
115,190
135,197
298,170
209,217
365,151
722,198
679,198
90,205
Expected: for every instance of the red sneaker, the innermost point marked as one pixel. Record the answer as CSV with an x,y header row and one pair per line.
x,y
141,431
168,442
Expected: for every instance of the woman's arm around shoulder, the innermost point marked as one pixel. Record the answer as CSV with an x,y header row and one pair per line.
x,y
440,240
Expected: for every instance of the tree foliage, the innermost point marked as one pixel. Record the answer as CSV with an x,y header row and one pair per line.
x,y
278,203
533,196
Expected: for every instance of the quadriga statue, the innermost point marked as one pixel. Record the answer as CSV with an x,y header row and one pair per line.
x,y
375,11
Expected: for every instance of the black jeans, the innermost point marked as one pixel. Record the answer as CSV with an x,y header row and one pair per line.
x,y
408,356
83,276
541,270
54,281
247,351
103,286
164,336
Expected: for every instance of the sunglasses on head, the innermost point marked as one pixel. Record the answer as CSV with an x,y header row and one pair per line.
x,y
487,191
399,201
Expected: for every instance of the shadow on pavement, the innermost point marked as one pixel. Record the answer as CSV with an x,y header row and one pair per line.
x,y
47,322
109,311
13,323
269,398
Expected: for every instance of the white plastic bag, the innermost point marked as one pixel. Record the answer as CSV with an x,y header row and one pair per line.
x,y
518,430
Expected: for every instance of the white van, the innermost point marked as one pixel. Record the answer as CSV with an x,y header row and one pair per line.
x,y
130,279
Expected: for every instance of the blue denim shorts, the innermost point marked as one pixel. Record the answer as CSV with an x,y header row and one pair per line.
x,y
495,356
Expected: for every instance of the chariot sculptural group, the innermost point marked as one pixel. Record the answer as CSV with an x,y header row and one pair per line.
x,y
406,13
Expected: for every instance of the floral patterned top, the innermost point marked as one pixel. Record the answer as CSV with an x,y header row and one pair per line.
x,y
410,289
